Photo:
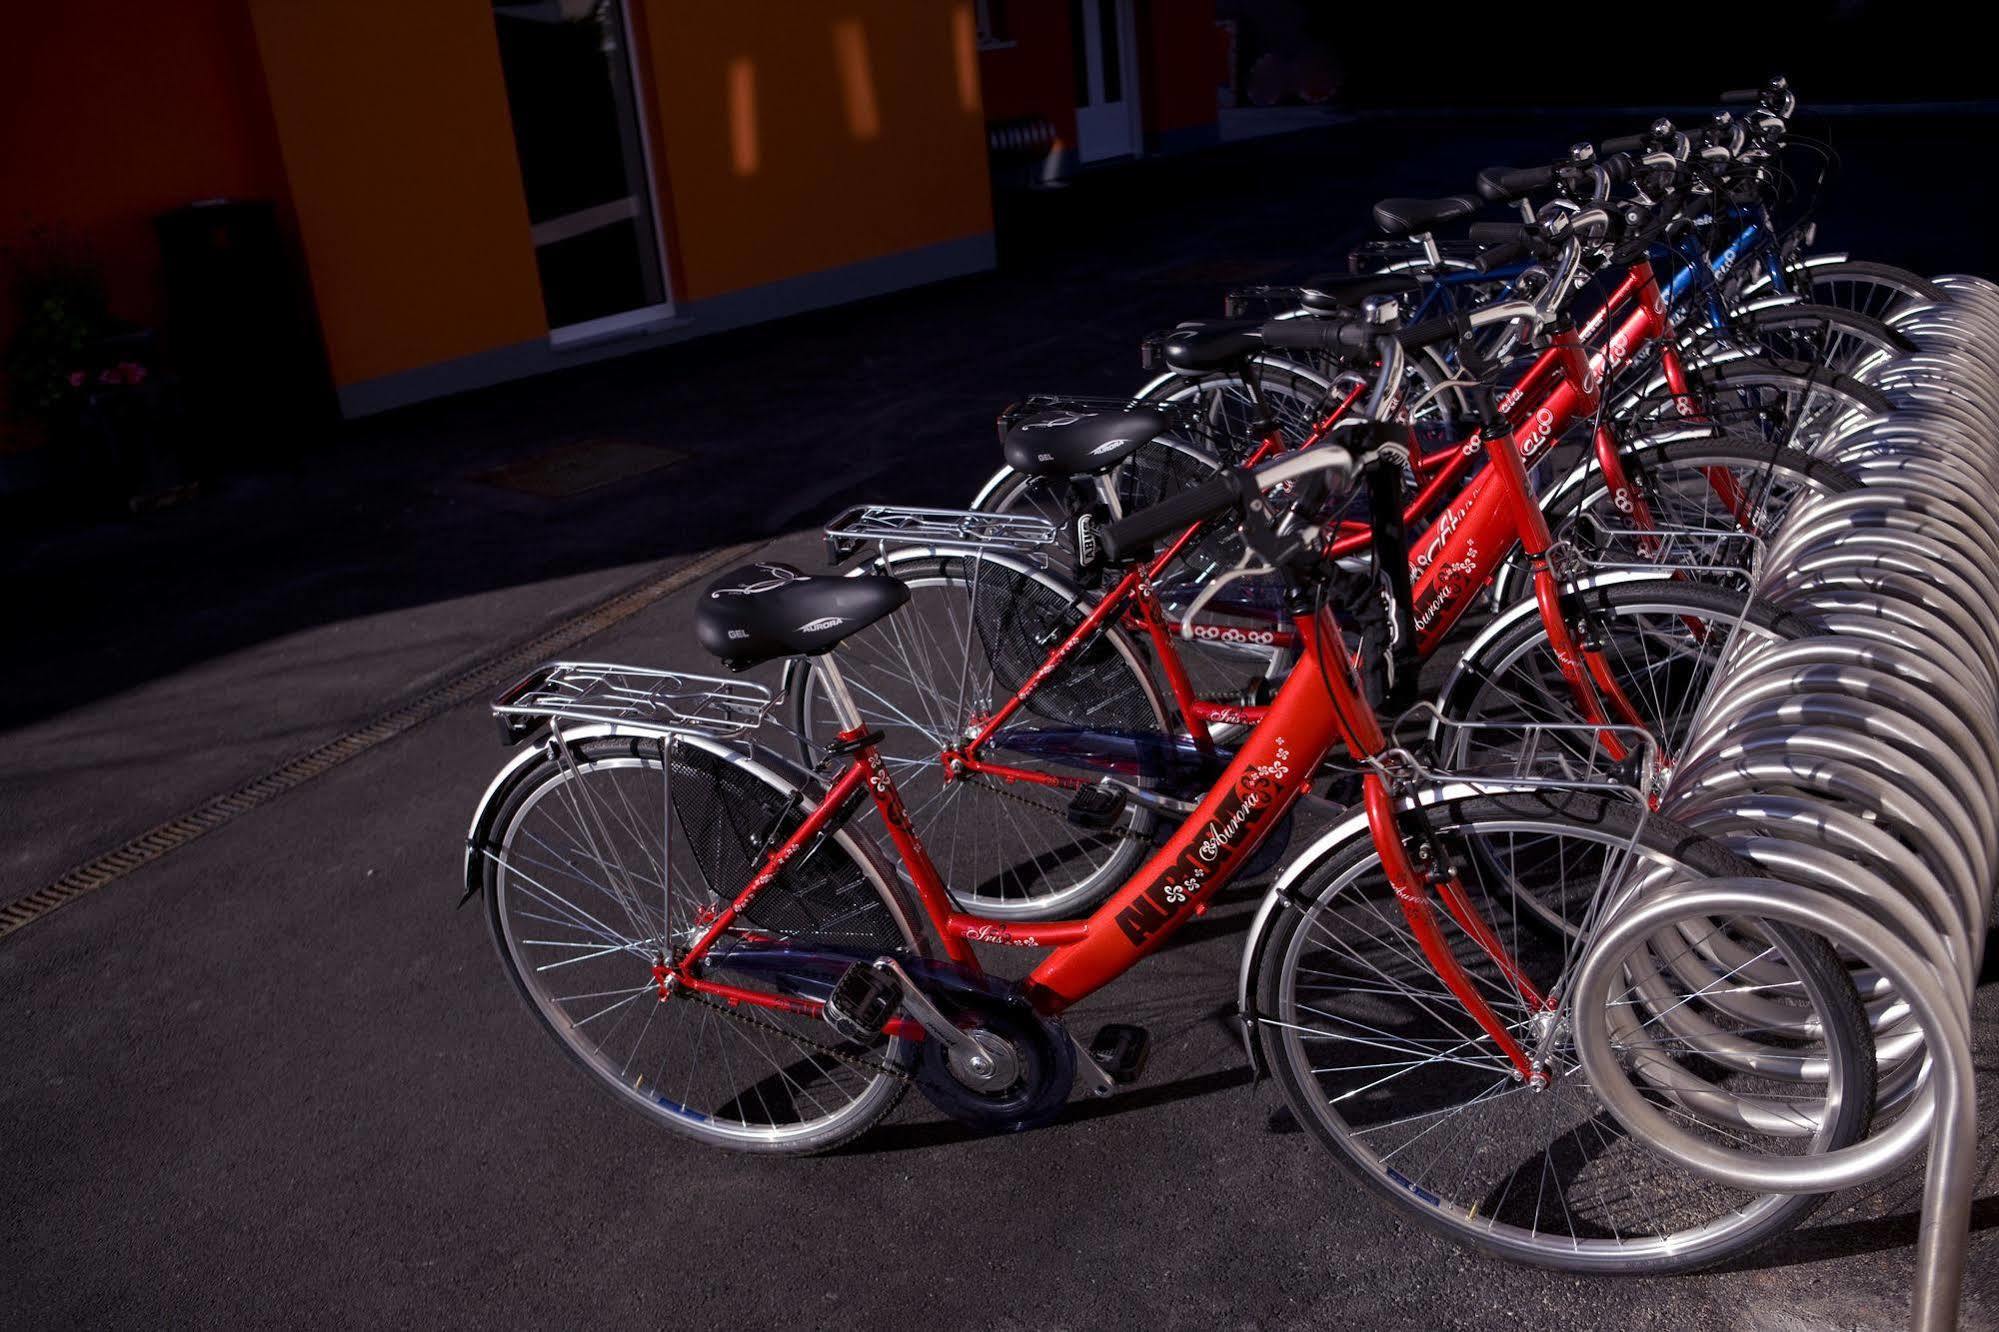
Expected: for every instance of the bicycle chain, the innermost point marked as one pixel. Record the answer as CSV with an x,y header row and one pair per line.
x,y
737,1013
1002,788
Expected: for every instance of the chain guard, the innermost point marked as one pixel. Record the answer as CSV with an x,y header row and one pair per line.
x,y
1047,1060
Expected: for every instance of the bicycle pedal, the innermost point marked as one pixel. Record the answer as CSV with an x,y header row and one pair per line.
x,y
1120,1050
862,1002
1098,807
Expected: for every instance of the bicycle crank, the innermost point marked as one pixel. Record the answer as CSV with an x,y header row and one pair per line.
x,y
987,1059
1020,1077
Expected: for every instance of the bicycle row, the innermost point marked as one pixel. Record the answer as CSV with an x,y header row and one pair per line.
x,y
1497,551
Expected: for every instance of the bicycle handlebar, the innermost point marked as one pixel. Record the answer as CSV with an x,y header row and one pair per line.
x,y
1504,184
1499,256
1340,336
1133,536
1441,328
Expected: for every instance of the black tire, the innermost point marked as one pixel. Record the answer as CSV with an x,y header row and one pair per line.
x,y
1307,905
1862,285
1826,335
835,895
1731,394
1490,684
975,630
1651,464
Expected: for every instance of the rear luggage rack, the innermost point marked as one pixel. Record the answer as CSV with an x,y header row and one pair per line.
x,y
632,696
951,529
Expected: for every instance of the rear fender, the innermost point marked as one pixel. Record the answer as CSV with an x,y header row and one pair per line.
x,y
481,840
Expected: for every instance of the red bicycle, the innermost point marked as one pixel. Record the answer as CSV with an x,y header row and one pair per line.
x,y
1022,714
696,922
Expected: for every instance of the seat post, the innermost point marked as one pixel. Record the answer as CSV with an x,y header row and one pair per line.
x,y
845,711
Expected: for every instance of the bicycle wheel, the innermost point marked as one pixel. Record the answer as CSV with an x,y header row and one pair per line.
x,y
1678,480
1296,395
1409,1094
975,629
1823,335
1662,639
1160,467
1856,284
1219,668
605,856
1783,403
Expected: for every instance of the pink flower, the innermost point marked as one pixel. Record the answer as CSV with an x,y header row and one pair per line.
x,y
76,379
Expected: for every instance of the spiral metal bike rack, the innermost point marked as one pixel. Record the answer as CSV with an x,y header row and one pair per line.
x,y
1858,768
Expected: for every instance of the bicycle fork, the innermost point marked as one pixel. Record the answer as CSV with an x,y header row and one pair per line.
x,y
1412,887
1590,679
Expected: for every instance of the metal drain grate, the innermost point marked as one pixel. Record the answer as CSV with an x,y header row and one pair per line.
x,y
476,682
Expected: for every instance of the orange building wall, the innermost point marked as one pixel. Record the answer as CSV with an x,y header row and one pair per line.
x,y
398,145
788,139
800,137
112,111
1181,56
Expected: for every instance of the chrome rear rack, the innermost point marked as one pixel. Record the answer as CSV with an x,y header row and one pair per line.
x,y
884,525
632,696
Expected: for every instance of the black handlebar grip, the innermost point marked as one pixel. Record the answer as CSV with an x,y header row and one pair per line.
x,y
1132,536
1440,329
1625,143
1742,97
1504,184
1499,256
1331,335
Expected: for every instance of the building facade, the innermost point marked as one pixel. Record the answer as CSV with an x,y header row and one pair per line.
x,y
469,191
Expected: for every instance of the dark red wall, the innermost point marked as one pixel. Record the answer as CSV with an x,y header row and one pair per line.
x,y
1183,58
1181,54
1036,74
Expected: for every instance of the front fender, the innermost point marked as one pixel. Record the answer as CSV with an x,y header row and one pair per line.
x,y
1283,896
1523,608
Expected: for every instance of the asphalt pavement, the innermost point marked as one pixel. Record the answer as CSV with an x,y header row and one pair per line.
x,y
274,1077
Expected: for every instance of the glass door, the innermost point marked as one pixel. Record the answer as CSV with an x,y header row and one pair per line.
x,y
582,147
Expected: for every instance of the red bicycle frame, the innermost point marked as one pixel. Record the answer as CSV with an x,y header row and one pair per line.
x,y
1455,557
1317,707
